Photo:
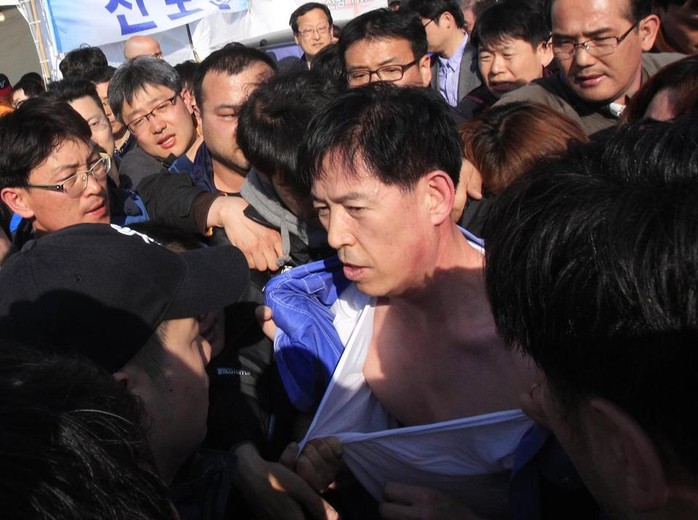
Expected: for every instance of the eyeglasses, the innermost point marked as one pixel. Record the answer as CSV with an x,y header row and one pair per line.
x,y
308,31
74,185
597,47
430,20
390,73
160,110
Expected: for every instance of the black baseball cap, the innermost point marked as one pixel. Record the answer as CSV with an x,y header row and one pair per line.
x,y
102,290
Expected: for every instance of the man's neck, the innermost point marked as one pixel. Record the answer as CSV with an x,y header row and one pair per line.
x,y
455,281
227,179
632,89
453,43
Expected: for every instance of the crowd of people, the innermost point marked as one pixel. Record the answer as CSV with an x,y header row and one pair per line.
x,y
440,266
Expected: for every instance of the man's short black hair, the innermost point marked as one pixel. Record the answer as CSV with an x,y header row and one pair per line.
x,y
79,62
231,60
32,132
592,269
30,86
74,441
274,120
432,9
69,90
101,74
306,8
384,24
513,20
382,128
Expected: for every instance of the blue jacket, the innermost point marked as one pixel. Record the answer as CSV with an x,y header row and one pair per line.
x,y
307,346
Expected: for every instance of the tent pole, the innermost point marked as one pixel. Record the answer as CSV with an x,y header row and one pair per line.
x,y
191,45
35,28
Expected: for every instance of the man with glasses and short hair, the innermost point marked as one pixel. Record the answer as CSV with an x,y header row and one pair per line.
x,y
384,46
51,172
312,29
599,47
454,59
146,94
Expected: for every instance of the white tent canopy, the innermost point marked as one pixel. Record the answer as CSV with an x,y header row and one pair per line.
x,y
263,23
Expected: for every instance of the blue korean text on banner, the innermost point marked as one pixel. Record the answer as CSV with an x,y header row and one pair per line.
x,y
76,22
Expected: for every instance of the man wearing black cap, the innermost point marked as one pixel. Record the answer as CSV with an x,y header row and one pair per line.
x,y
132,307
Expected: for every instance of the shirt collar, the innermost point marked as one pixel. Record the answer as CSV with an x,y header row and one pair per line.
x,y
454,61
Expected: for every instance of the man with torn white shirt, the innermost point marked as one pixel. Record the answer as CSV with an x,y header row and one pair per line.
x,y
404,307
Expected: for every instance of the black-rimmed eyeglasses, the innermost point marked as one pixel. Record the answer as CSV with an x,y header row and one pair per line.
x,y
390,73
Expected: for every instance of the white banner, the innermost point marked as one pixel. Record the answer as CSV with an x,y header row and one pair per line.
x,y
98,22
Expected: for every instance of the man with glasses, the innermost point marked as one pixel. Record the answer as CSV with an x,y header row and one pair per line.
x,y
51,172
599,48
454,60
384,46
146,94
312,29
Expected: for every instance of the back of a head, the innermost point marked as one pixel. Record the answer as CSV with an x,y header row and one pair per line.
x,y
510,20
186,71
101,74
382,127
69,90
305,8
79,62
31,133
133,76
384,24
230,60
328,64
30,85
539,132
432,9
592,271
74,442
679,80
274,120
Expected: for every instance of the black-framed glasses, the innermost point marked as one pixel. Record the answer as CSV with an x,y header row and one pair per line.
x,y
390,73
74,185
597,47
430,20
308,31
160,110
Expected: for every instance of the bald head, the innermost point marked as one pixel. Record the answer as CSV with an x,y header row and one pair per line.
x,y
142,46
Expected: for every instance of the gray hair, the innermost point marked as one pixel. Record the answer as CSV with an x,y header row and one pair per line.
x,y
132,77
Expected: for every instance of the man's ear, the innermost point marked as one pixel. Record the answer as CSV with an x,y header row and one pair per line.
x,y
441,195
424,65
197,115
545,53
635,459
17,200
534,402
295,39
187,98
134,379
649,26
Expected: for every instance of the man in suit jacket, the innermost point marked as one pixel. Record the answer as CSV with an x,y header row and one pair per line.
x,y
454,59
